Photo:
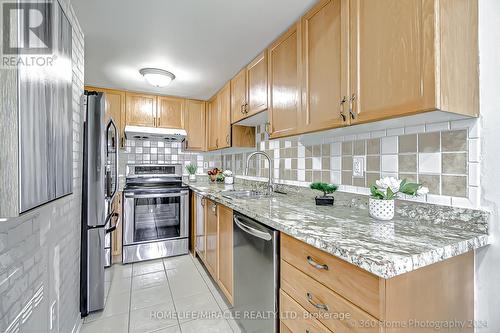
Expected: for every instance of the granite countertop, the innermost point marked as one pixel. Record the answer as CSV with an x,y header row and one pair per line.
x,y
419,235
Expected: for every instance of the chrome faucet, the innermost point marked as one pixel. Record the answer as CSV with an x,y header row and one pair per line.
x,y
270,182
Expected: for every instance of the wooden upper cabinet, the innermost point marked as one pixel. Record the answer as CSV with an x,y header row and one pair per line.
x,y
392,58
115,107
212,121
170,112
257,85
195,124
224,125
140,109
239,96
284,83
325,60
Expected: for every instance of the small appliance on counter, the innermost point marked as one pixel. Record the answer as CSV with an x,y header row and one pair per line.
x,y
155,213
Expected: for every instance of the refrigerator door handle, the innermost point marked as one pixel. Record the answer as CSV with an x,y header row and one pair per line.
x,y
252,231
113,228
105,222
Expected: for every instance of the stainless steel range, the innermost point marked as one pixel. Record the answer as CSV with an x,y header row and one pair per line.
x,y
155,213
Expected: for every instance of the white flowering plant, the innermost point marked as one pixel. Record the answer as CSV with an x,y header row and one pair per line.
x,y
227,173
388,188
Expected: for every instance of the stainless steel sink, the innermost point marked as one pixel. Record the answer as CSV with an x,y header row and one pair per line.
x,y
245,194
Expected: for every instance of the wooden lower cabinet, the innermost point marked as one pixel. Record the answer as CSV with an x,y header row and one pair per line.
x,y
225,251
211,238
116,236
214,241
295,317
340,297
284,328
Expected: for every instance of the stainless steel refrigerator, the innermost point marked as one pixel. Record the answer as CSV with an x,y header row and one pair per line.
x,y
99,186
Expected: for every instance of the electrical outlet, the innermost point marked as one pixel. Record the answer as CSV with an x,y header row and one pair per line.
x,y
205,165
53,315
358,166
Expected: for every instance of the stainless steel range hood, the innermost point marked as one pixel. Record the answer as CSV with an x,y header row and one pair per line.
x,y
144,133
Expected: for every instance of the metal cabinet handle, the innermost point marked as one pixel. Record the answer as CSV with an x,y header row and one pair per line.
x,y
342,102
217,143
267,128
351,109
227,139
246,107
214,209
203,201
242,108
313,263
323,307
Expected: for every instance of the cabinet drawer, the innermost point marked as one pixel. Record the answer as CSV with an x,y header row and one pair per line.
x,y
329,308
358,286
295,318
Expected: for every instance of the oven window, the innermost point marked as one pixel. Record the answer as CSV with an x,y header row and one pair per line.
x,y
157,218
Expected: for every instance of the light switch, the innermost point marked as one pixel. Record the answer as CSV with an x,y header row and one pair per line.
x,y
358,166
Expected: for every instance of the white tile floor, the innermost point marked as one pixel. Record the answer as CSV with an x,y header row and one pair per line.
x,y
145,297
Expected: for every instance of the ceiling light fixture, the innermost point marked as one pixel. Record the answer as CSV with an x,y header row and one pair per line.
x,y
157,77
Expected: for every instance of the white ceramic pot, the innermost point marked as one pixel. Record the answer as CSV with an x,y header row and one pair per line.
x,y
381,209
192,178
229,180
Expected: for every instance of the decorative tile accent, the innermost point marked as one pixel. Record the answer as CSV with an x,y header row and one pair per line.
x,y
432,182
373,146
429,142
373,163
408,143
454,163
408,163
454,186
454,140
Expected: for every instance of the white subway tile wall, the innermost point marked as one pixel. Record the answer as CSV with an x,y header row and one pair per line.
x,y
40,250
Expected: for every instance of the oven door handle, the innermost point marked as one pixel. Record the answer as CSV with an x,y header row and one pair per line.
x,y
149,196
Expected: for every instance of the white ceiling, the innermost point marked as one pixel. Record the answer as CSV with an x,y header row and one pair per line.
x,y
204,43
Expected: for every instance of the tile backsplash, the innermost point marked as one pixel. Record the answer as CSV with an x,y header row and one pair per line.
x,y
443,156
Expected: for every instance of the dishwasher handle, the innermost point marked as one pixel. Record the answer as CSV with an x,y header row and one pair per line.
x,y
252,231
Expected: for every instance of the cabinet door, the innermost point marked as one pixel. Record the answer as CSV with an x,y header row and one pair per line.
x,y
140,110
324,60
391,58
170,112
257,85
116,236
195,124
115,108
238,96
199,224
224,125
284,83
225,250
212,123
211,238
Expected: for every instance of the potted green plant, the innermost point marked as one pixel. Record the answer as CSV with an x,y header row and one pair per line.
x,y
191,169
326,188
385,190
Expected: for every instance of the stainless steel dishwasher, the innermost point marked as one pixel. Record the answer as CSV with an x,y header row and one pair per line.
x,y
256,276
